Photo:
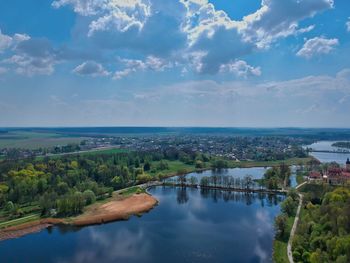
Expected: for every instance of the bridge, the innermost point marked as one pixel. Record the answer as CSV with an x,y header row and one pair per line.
x,y
328,151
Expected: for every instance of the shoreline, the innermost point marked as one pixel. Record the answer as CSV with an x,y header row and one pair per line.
x,y
113,210
102,217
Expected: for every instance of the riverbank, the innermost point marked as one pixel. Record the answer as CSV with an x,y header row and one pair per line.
x,y
116,208
122,209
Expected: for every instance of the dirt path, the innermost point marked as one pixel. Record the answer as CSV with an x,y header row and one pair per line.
x,y
294,228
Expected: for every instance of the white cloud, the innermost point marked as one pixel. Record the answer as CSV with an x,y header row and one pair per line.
x,y
278,19
240,68
347,24
30,66
110,14
33,57
180,29
133,65
91,68
317,46
7,42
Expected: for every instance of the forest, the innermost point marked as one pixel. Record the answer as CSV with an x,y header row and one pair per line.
x,y
323,234
63,186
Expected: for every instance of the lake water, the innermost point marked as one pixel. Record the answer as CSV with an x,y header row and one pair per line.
x,y
328,157
254,172
188,225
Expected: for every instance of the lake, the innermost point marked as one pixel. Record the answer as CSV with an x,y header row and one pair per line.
x,y
188,225
328,157
254,172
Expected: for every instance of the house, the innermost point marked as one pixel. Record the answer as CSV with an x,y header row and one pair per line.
x,y
315,176
339,176
333,175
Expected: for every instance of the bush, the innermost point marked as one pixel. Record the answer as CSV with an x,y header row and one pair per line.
x,y
89,197
144,178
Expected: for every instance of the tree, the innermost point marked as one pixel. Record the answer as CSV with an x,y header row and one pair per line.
x,y
199,164
117,182
280,225
147,166
10,206
204,181
288,206
89,197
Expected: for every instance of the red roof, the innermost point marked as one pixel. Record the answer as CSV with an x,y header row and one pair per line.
x,y
346,174
315,175
334,171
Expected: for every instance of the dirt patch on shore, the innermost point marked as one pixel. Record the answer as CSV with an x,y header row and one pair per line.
x,y
28,228
116,210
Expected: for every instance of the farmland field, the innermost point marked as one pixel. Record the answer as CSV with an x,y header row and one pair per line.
x,y
34,140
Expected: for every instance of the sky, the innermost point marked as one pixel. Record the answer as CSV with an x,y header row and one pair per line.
x,y
219,63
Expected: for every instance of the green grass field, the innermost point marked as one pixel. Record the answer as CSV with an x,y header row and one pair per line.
x,y
105,151
248,164
35,140
174,168
20,221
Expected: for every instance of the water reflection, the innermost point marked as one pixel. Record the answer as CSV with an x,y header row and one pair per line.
x,y
189,225
182,196
215,195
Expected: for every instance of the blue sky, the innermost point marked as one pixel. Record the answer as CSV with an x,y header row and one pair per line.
x,y
257,63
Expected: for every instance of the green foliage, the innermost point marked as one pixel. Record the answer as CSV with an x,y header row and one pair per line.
x,y
144,178
219,164
277,176
289,206
64,185
89,197
280,225
323,234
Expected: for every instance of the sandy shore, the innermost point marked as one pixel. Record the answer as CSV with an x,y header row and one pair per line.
x,y
96,214
116,210
28,228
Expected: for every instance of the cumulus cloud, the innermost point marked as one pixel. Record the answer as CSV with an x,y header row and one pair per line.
x,y
191,34
277,19
133,65
7,42
33,57
317,46
347,24
241,69
183,29
111,14
91,68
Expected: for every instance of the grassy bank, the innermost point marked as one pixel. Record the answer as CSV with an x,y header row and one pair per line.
x,y
249,164
20,221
